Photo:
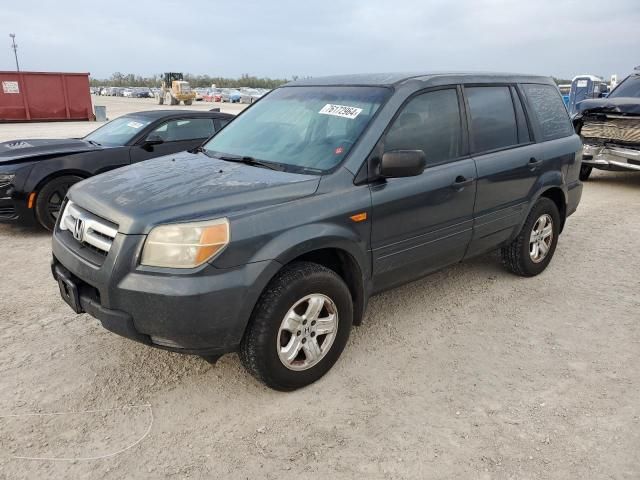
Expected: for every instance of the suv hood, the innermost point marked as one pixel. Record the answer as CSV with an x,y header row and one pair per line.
x,y
185,187
17,150
617,105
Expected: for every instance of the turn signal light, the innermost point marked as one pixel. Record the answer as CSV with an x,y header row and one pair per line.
x,y
359,217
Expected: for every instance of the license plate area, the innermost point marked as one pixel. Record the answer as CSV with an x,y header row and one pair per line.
x,y
68,290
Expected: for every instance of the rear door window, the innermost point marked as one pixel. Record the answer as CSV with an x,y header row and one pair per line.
x,y
493,119
548,110
429,122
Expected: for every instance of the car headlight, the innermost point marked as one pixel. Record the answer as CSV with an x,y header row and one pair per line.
x,y
185,245
6,179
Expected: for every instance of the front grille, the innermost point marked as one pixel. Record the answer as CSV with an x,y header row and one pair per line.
x,y
88,229
616,129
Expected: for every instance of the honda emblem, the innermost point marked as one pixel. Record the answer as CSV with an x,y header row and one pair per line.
x,y
78,230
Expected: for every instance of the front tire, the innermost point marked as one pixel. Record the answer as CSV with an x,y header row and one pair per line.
x,y
170,100
299,327
188,102
50,197
585,172
533,248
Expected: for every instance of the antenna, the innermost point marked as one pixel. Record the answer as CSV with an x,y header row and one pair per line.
x,y
15,49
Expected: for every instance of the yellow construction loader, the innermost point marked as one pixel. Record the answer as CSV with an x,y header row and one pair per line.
x,y
175,90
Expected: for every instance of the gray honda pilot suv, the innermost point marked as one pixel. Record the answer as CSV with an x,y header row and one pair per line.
x,y
271,237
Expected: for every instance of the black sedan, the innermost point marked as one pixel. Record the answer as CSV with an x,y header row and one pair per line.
x,y
36,174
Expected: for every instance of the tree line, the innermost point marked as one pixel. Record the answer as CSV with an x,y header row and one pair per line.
x,y
119,79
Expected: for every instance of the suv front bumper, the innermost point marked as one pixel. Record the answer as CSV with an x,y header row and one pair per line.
x,y
203,312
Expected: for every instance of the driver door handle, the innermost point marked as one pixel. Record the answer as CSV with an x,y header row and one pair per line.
x,y
533,163
461,181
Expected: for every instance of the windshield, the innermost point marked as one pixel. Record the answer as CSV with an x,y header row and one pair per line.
x,y
629,87
118,132
301,128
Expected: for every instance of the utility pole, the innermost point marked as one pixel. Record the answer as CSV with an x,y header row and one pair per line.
x,y
15,49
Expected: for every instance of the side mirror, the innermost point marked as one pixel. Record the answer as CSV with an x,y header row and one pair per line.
x,y
402,163
153,140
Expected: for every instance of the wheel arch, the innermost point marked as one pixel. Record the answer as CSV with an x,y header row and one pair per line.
x,y
337,255
57,174
35,196
347,267
551,185
558,196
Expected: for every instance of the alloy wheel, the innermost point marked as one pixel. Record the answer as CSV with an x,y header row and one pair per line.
x,y
541,238
307,332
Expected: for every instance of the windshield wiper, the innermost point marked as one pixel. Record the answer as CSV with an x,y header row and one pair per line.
x,y
250,161
93,142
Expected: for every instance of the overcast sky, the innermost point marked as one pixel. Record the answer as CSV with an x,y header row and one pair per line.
x,y
306,37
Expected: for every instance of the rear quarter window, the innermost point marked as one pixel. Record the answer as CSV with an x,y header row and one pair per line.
x,y
548,111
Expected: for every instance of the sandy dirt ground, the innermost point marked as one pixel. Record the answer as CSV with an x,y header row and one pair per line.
x,y
471,373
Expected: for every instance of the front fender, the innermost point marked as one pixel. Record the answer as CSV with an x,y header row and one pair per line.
x,y
292,243
287,245
303,240
83,164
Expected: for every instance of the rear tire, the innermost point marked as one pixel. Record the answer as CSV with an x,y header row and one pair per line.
x,y
302,301
50,197
160,100
533,248
585,172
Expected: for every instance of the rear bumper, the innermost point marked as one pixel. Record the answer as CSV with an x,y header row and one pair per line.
x,y
203,312
610,157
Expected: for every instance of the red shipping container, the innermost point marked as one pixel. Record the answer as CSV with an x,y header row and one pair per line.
x,y
42,96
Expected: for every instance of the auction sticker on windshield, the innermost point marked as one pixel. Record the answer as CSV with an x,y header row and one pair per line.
x,y
135,124
340,111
